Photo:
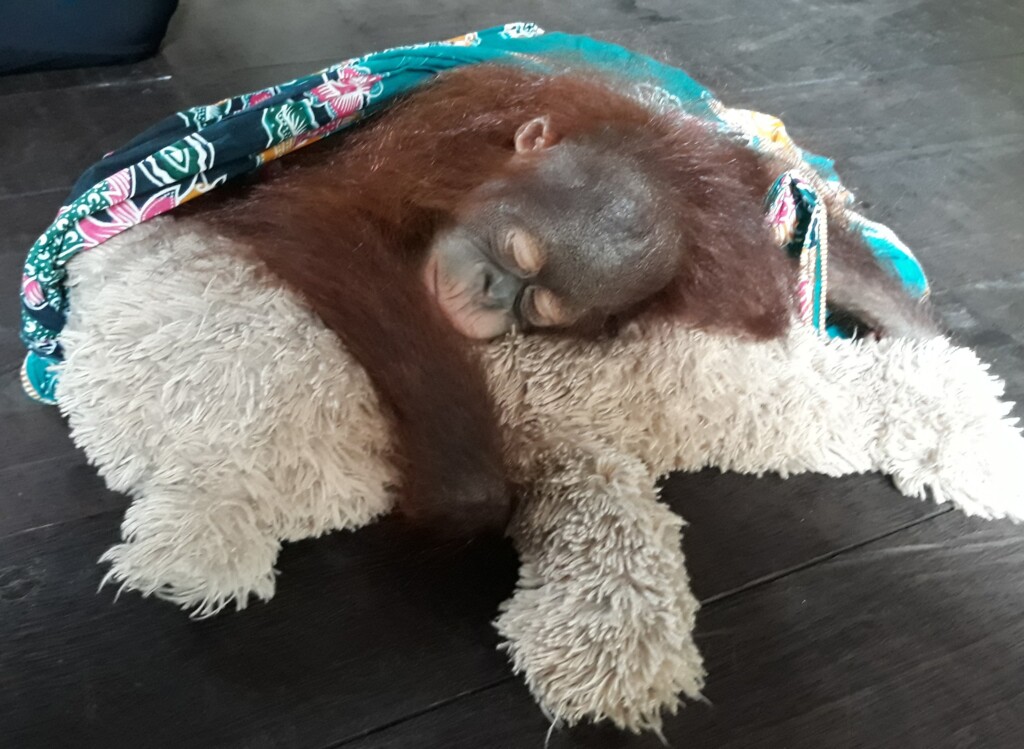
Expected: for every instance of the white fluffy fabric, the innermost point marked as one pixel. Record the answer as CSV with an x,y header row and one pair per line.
x,y
235,421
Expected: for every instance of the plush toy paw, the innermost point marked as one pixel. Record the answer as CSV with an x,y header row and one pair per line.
x,y
601,623
945,428
202,561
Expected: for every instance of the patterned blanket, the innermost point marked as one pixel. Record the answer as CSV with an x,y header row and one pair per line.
x,y
199,149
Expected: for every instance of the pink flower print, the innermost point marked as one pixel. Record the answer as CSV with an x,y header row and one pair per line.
x,y
118,186
805,301
124,215
259,96
782,216
783,211
348,94
32,293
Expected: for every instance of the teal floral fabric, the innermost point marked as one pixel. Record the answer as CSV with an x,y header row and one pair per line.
x,y
796,216
199,149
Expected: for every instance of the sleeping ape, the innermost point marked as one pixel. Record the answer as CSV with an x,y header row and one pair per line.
x,y
496,200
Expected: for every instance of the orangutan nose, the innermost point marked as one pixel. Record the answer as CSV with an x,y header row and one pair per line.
x,y
499,288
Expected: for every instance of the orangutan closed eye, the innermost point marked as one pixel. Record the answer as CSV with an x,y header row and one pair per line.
x,y
497,199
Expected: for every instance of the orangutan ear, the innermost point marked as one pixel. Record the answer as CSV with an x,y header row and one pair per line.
x,y
535,135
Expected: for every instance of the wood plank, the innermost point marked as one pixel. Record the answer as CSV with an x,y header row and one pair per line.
x,y
153,70
207,35
32,434
53,490
365,629
49,140
916,641
883,112
956,205
749,41
36,452
736,45
213,39
744,528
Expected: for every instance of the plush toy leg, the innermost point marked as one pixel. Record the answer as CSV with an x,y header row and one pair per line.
x,y
601,623
226,410
200,552
944,428
928,413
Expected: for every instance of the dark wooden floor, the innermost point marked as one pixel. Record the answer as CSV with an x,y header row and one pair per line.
x,y
836,613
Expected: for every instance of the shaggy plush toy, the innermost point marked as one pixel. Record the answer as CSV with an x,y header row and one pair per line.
x,y
278,437
235,421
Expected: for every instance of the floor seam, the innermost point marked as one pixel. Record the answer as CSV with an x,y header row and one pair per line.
x,y
58,523
814,561
432,707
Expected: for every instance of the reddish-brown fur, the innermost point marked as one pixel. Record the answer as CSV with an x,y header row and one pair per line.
x,y
347,221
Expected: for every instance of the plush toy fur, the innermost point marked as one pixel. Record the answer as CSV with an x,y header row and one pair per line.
x,y
203,389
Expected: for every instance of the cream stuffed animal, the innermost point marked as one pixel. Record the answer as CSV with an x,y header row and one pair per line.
x,y
236,422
